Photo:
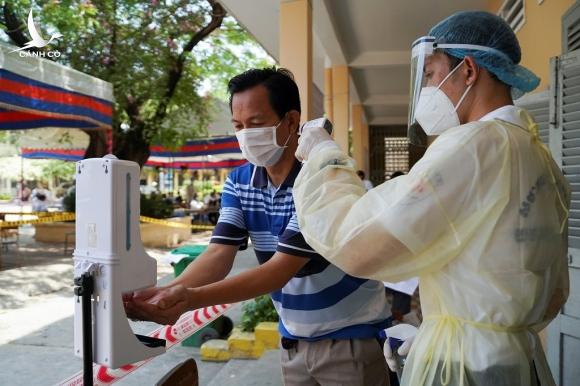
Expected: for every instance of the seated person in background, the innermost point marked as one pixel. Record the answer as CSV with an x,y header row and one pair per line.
x,y
168,198
212,202
212,199
195,204
197,208
25,193
40,198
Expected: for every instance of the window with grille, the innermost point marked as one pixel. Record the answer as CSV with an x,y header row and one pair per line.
x,y
513,12
571,29
564,333
396,155
568,111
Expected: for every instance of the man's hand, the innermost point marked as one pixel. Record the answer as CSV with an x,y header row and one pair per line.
x,y
131,310
163,305
310,138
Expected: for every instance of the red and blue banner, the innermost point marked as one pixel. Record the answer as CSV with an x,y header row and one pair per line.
x,y
200,147
37,93
193,163
58,154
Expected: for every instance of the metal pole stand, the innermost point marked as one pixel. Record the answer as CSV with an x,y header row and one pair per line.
x,y
84,287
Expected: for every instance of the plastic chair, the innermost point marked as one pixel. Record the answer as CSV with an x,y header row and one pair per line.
x,y
184,374
67,241
8,236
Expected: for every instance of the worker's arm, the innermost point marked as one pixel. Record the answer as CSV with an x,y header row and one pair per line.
x,y
402,228
559,294
337,217
560,267
170,302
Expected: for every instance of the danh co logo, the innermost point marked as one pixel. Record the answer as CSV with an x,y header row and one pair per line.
x,y
37,41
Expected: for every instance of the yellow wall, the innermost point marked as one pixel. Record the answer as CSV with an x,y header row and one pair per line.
x,y
540,36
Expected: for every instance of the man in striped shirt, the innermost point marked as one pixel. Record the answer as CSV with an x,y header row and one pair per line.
x,y
329,320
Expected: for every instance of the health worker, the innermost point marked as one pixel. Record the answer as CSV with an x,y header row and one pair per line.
x,y
481,218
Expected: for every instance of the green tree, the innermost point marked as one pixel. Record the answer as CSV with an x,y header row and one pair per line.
x,y
158,54
56,168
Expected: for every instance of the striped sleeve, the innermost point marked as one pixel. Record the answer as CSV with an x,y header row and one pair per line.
x,y
231,227
292,242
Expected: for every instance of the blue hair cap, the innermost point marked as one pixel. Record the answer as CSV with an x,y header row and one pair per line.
x,y
489,30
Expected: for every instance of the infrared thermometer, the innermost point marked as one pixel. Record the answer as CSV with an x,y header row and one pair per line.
x,y
319,122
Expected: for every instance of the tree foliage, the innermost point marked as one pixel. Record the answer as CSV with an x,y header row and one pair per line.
x,y
56,168
159,55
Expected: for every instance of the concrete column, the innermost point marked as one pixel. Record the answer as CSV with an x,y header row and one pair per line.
x,y
357,136
341,105
161,185
328,93
296,48
366,154
176,173
150,176
223,175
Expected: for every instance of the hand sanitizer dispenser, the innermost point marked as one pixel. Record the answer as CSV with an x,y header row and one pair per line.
x,y
109,253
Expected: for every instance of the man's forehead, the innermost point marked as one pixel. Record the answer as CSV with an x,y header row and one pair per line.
x,y
248,115
251,103
255,94
436,57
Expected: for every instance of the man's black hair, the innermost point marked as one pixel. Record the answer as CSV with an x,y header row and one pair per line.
x,y
361,174
282,89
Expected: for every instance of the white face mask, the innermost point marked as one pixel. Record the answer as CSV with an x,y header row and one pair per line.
x,y
435,111
259,145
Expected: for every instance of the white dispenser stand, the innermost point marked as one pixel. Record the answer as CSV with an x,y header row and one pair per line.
x,y
110,260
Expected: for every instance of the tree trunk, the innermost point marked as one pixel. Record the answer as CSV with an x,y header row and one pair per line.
x,y
97,145
131,146
15,28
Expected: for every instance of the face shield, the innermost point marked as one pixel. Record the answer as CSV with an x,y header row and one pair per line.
x,y
421,50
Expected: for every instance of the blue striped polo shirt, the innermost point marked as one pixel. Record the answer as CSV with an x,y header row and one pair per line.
x,y
320,301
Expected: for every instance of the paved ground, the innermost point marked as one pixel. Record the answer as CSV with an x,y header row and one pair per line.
x,y
36,326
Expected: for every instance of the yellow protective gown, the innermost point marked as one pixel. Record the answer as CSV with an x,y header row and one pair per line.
x,y
482,220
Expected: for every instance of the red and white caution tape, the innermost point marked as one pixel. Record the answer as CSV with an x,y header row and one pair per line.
x,y
187,325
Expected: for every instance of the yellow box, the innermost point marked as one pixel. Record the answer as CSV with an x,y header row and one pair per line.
x,y
215,350
243,345
267,333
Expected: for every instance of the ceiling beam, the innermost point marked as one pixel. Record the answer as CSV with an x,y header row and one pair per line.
x,y
381,59
324,29
380,121
387,100
263,26
329,40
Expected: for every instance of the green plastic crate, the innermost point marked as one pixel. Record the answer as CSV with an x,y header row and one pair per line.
x,y
220,327
192,252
